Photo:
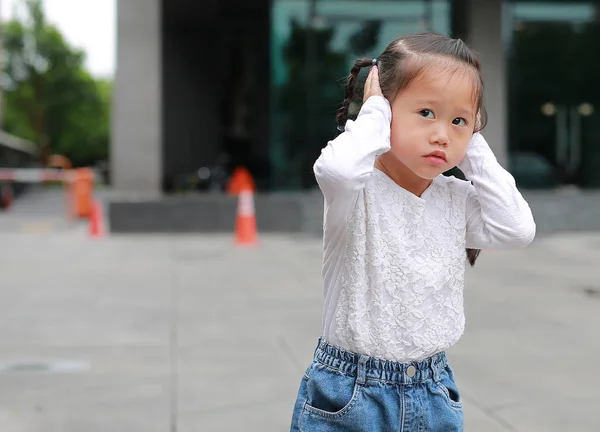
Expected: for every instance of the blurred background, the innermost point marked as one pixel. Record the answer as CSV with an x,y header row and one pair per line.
x,y
128,129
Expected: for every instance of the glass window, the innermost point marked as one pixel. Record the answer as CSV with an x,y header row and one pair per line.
x,y
313,47
554,94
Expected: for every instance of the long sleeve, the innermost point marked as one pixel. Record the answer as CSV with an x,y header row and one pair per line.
x,y
497,214
346,162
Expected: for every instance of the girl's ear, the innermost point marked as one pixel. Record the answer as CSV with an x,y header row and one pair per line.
x,y
478,121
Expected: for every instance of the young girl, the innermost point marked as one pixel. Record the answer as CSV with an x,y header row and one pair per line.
x,y
397,237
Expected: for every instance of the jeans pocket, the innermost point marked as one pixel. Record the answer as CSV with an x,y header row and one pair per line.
x,y
449,388
330,393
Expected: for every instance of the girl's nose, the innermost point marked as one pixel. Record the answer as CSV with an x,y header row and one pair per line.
x,y
439,137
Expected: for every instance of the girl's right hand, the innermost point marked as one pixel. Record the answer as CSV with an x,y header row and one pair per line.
x,y
372,87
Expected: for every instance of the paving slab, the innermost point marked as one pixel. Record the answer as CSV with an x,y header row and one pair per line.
x,y
189,333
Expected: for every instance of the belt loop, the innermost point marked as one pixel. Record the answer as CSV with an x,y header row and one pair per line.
x,y
434,369
318,346
361,373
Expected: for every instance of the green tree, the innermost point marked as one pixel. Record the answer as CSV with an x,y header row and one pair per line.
x,y
49,97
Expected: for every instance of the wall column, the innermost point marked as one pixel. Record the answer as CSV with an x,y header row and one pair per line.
x,y
136,136
485,37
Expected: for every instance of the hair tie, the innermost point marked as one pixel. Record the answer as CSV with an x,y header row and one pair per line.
x,y
374,62
340,128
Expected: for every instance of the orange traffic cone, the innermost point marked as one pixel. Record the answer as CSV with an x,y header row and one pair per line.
x,y
240,180
6,196
96,224
245,225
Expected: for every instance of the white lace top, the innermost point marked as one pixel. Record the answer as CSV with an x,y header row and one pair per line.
x,y
394,263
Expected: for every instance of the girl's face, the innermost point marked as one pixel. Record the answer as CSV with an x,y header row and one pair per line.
x,y
433,120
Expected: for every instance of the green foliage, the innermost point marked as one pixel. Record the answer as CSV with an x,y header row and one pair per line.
x,y
49,97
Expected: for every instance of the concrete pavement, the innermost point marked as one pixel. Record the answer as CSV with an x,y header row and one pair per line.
x,y
187,333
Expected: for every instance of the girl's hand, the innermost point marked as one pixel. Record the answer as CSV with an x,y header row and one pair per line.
x,y
372,87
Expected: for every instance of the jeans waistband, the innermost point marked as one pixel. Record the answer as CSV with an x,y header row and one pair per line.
x,y
364,366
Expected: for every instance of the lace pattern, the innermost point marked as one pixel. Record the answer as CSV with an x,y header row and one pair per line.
x,y
401,290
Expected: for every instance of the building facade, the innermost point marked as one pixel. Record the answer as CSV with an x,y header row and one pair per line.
x,y
202,87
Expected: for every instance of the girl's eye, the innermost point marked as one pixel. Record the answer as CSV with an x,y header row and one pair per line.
x,y
459,121
426,113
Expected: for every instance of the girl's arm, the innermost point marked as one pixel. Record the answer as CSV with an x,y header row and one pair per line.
x,y
497,214
347,162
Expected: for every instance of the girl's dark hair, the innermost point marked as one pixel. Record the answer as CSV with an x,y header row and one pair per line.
x,y
405,59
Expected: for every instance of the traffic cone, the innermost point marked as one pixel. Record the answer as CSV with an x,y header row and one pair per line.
x,y
245,225
240,180
96,224
6,196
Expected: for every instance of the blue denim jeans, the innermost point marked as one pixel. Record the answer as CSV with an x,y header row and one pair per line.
x,y
344,391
